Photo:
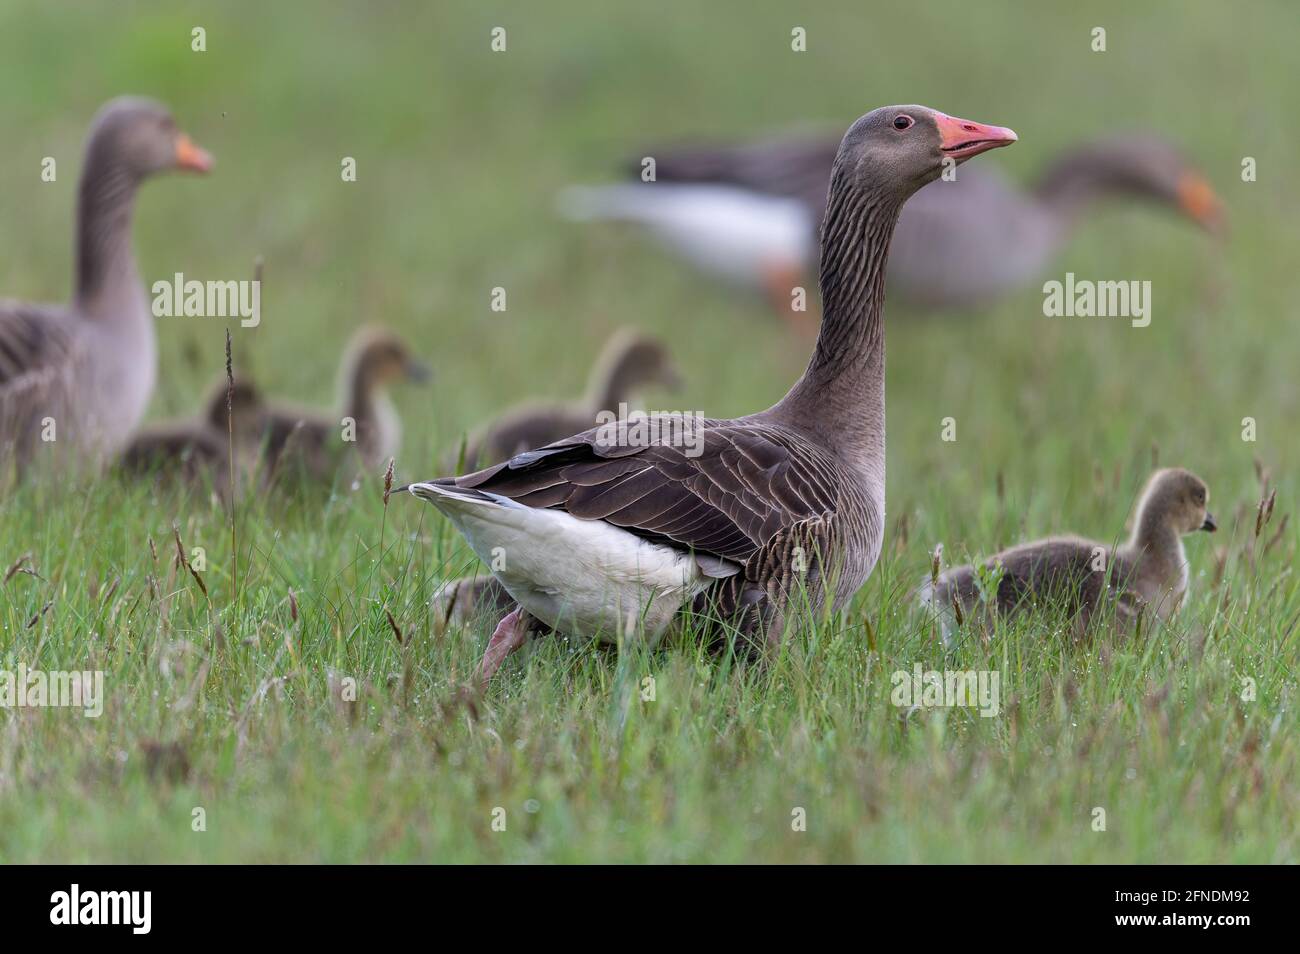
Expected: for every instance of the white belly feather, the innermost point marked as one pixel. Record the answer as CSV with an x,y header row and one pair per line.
x,y
582,577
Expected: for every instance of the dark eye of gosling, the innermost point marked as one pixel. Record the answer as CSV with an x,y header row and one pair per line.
x,y
903,122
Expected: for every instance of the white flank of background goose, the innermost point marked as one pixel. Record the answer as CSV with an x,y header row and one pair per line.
x,y
959,244
612,532
748,238
90,367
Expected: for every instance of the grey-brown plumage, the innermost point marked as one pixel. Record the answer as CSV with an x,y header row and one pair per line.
x,y
1081,577
789,502
75,380
630,361
364,429
197,450
969,241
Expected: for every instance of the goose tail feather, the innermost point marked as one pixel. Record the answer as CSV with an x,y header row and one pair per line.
x,y
446,491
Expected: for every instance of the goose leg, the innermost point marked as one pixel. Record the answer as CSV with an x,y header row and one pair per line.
x,y
509,635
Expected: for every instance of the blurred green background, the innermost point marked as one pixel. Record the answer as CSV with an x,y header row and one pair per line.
x,y
460,152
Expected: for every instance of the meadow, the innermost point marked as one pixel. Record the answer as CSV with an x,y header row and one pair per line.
x,y
226,695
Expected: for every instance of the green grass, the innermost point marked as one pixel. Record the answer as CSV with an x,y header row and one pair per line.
x,y
232,705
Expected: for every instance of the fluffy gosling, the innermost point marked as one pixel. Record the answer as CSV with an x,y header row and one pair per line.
x,y
317,443
1149,572
198,449
629,361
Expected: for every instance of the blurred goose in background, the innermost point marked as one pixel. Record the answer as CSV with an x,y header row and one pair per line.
x,y
90,366
1147,572
316,443
749,213
629,362
198,450
615,530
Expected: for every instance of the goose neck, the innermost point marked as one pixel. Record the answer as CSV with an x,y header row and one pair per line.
x,y
1073,183
841,395
107,280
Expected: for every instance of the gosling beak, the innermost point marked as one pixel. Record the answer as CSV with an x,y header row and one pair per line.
x,y
1197,199
418,371
961,138
191,157
1209,526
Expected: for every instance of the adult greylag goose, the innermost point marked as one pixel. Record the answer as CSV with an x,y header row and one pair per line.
x,y
83,373
198,449
316,443
629,362
748,214
1149,571
618,529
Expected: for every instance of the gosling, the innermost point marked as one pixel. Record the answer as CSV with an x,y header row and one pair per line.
x,y
317,444
628,362
1148,573
198,450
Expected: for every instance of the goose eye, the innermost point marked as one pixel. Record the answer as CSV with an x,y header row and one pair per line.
x,y
903,122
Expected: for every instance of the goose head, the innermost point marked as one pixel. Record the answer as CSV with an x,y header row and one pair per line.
x,y
898,149
1138,166
139,138
1156,169
1176,499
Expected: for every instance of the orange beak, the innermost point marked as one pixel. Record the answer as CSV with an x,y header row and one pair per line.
x,y
961,138
191,157
1198,200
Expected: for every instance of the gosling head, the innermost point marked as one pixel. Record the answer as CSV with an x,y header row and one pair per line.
x,y
898,149
638,359
239,408
140,138
379,358
1176,499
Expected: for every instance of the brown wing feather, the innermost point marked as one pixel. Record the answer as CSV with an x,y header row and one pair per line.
x,y
39,354
749,480
35,344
